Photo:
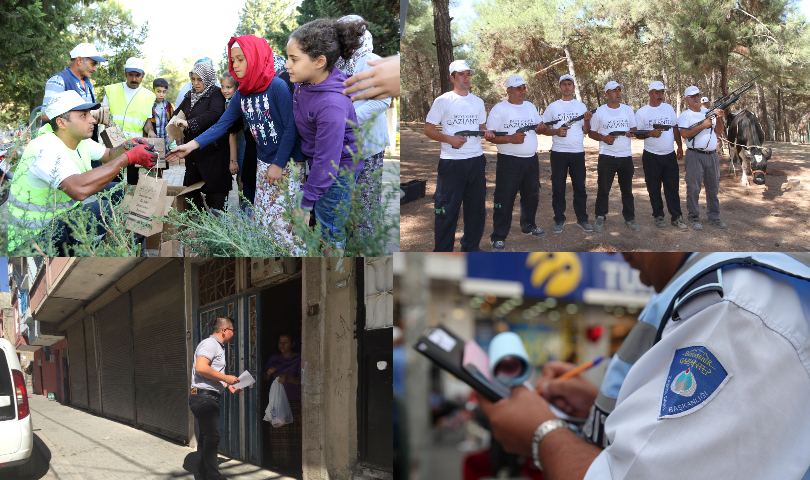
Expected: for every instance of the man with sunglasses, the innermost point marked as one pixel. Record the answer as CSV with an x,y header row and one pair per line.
x,y
207,385
702,161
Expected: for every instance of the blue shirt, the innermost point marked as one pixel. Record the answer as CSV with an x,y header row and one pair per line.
x,y
56,84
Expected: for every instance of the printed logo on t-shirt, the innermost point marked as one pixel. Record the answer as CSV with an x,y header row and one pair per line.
x,y
565,116
664,120
463,119
617,124
695,377
517,123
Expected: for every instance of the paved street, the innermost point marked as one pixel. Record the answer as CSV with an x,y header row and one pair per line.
x,y
76,445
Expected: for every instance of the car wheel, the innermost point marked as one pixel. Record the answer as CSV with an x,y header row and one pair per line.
x,y
28,468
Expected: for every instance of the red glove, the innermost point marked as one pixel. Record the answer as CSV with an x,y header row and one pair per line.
x,y
142,155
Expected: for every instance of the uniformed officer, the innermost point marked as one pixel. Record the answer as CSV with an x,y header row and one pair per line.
x,y
207,384
711,383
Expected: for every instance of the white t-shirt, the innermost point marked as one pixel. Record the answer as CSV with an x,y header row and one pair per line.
x,y
706,139
506,117
128,94
607,120
49,168
664,114
455,113
572,141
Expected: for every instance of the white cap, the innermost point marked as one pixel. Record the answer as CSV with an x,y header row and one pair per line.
x,y
515,81
704,99
87,50
397,333
66,101
566,77
691,90
135,65
460,66
611,85
658,86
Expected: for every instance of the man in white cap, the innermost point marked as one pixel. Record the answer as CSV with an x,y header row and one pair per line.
x,y
518,168
567,155
131,106
615,155
659,158
54,174
702,162
461,175
704,102
84,60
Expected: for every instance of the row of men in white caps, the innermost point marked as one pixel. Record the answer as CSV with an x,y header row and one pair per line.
x,y
462,179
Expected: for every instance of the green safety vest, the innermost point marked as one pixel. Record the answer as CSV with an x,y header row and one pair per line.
x,y
133,115
31,208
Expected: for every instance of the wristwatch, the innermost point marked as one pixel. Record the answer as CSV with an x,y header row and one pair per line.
x,y
540,433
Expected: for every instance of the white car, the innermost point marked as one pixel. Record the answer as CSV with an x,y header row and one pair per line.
x,y
16,430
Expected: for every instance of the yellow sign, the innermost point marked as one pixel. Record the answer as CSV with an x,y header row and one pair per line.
x,y
559,271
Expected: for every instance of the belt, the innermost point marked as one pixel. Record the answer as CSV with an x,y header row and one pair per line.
x,y
202,391
702,151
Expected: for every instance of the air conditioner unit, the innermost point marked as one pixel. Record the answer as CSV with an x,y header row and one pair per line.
x,y
265,270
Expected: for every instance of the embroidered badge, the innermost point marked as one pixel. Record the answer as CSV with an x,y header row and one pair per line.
x,y
695,376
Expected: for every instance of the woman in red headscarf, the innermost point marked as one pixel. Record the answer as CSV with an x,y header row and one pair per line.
x,y
265,103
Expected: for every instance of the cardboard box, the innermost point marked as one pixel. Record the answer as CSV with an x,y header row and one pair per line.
x,y
153,196
160,146
113,136
171,248
153,242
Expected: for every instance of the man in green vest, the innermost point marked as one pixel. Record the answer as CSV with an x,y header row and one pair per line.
x,y
54,174
131,106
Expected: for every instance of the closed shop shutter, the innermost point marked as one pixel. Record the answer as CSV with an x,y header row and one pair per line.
x,y
77,365
92,365
115,351
159,339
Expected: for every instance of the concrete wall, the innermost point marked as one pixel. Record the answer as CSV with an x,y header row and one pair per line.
x,y
48,381
7,318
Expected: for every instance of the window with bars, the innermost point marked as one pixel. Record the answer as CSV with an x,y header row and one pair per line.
x,y
216,280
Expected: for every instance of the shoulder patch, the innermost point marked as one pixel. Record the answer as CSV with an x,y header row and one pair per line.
x,y
695,376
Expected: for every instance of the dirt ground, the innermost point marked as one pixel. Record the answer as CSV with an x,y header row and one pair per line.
x,y
759,217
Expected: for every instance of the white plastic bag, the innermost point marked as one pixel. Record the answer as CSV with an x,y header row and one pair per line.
x,y
278,411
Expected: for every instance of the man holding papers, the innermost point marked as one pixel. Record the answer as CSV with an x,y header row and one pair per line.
x,y
208,381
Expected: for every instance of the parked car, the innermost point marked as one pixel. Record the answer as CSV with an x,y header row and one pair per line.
x,y
16,429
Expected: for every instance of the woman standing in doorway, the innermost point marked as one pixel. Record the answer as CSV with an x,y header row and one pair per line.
x,y
285,441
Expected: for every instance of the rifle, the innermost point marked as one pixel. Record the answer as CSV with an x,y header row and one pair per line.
x,y
726,101
475,133
661,126
619,133
569,122
528,128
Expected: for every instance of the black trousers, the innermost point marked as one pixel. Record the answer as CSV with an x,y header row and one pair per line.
x,y
658,170
607,168
564,164
513,175
460,181
206,412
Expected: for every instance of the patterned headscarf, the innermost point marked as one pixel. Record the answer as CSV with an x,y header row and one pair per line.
x,y
350,67
278,63
206,72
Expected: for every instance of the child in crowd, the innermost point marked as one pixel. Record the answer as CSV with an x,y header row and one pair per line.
x,y
162,110
323,114
236,139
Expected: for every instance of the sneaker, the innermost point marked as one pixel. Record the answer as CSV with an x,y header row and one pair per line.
x,y
558,227
599,224
718,223
535,232
660,223
632,225
695,224
583,224
678,223
498,246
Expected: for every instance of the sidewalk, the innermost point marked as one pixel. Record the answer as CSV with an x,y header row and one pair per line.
x,y
83,446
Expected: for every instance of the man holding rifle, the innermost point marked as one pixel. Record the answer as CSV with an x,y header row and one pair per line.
x,y
461,175
518,168
567,155
700,127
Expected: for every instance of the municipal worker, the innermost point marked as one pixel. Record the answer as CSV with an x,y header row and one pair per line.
x,y
711,383
54,174
131,107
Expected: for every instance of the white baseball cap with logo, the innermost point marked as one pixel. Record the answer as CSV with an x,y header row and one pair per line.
x,y
658,86
704,99
611,85
65,102
566,77
87,50
460,66
135,65
691,90
515,81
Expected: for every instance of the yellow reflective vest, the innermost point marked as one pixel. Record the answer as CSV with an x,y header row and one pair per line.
x,y
130,116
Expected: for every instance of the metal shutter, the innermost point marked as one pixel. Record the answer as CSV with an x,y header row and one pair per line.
x,y
77,365
159,339
115,352
93,402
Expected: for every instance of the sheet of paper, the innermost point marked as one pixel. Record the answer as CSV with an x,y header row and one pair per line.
x,y
245,380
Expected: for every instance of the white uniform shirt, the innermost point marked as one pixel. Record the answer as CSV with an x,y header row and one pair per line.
x,y
607,120
664,114
706,139
506,117
561,110
455,113
49,168
751,420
